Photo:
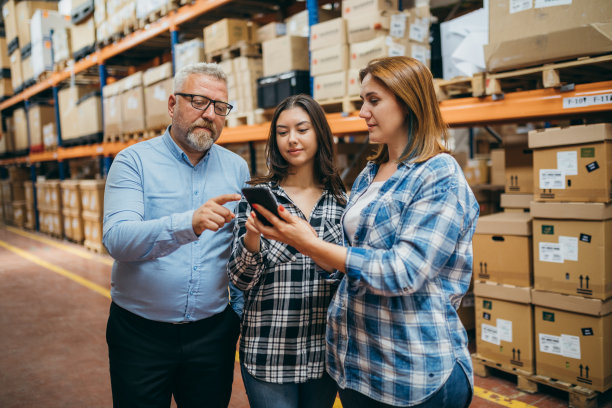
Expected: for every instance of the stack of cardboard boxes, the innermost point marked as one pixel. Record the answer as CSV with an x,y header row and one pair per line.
x,y
572,257
543,279
49,202
71,202
92,204
29,209
6,86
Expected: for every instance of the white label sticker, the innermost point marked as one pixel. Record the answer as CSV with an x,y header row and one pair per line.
x,y
552,179
5,12
419,53
551,3
569,248
570,346
550,252
568,162
490,334
520,5
132,103
398,25
550,344
160,93
504,329
418,32
583,101
397,50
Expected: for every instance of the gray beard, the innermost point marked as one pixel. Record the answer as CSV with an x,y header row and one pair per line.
x,y
200,144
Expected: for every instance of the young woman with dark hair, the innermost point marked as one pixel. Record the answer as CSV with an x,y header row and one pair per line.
x,y
282,343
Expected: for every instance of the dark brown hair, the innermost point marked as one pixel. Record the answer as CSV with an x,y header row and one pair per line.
x,y
412,84
324,161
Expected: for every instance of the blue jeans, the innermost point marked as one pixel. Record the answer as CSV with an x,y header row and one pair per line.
x,y
319,393
455,393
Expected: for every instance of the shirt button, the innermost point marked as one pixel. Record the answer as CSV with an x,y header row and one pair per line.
x,y
195,268
196,193
293,258
188,316
191,292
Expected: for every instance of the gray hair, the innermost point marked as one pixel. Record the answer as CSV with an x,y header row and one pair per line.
x,y
200,68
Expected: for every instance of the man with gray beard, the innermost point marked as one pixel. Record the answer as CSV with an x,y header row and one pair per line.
x,y
168,221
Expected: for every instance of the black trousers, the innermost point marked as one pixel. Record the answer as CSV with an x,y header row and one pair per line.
x,y
151,361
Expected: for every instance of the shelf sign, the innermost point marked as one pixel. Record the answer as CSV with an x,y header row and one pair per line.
x,y
584,101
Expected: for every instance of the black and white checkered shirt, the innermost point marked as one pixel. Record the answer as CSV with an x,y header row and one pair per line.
x,y
286,298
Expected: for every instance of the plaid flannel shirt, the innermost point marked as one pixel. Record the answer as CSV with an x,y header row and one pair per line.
x,y
286,298
393,332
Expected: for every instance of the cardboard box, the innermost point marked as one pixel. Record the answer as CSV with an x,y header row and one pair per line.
x,y
363,52
241,64
285,54
73,225
573,256
69,112
39,116
113,111
504,333
62,50
44,21
21,130
476,171
370,7
19,213
353,84
574,346
89,109
466,311
571,211
329,59
92,229
573,164
189,52
548,31
518,159
498,167
16,72
227,32
27,69
92,197
270,31
5,62
298,24
519,201
9,15
71,195
83,36
156,103
332,32
330,86
132,103
503,249
365,27
25,10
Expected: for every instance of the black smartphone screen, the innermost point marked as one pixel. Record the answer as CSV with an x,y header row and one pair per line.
x,y
264,197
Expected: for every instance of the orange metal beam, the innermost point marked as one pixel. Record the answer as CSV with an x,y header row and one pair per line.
x,y
529,105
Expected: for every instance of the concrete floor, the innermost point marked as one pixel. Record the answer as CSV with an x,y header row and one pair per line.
x,y
53,308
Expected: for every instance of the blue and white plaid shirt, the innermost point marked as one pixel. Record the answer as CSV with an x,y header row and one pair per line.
x,y
393,332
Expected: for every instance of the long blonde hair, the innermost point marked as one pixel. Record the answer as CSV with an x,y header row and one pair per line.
x,y
412,84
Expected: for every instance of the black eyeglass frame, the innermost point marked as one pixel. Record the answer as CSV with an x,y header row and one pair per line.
x,y
214,102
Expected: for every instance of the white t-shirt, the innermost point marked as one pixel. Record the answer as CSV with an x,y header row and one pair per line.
x,y
351,218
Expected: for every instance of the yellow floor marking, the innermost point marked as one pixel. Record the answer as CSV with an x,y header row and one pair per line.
x,y
59,270
499,399
337,404
63,247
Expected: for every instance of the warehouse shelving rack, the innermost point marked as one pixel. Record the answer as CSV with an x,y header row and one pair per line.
x,y
581,100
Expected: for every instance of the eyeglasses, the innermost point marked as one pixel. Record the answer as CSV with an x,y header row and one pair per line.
x,y
202,103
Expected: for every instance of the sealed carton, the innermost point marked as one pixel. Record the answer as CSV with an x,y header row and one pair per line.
x,y
573,163
113,111
9,15
227,32
132,103
516,201
71,194
329,59
285,54
533,33
518,162
69,114
16,70
270,31
572,250
370,7
503,249
25,10
21,130
89,107
298,25
188,52
361,53
504,326
328,33
573,339
158,83
329,86
353,84
38,116
83,37
92,196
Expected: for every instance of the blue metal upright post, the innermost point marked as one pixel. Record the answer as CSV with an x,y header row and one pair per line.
x,y
103,75
174,37
34,198
313,18
26,108
58,129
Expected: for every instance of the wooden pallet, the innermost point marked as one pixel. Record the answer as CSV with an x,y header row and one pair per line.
x,y
112,138
578,396
460,87
240,49
157,14
554,75
247,118
345,104
95,247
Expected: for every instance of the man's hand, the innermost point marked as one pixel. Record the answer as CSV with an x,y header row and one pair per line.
x,y
212,215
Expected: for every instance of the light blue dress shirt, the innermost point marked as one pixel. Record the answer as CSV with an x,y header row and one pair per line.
x,y
162,270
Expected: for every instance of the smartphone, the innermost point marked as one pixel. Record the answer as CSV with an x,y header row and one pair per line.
x,y
264,197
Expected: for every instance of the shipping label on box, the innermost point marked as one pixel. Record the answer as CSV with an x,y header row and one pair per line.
x,y
285,54
504,333
365,27
574,347
330,86
573,257
329,33
576,171
371,7
329,59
